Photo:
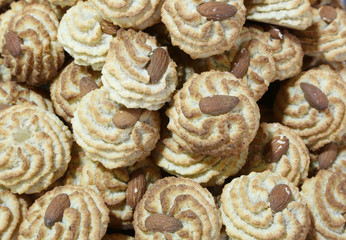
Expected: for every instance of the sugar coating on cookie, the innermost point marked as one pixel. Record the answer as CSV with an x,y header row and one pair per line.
x,y
139,73
249,208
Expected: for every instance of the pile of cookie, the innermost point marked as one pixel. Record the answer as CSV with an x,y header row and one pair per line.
x,y
172,119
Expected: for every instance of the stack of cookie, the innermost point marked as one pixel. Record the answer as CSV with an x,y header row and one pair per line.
x,y
172,119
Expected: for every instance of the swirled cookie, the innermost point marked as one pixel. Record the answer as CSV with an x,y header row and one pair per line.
x,y
313,105
34,148
138,73
202,28
264,206
64,3
80,33
31,49
12,212
213,114
326,198
117,236
5,73
326,38
280,150
294,14
138,14
72,83
177,208
57,9
67,212
112,134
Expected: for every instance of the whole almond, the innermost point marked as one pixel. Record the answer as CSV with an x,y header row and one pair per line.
x,y
315,97
240,63
217,11
275,148
328,155
218,104
108,27
55,209
275,33
4,106
328,14
126,117
86,85
158,64
13,43
160,222
135,188
279,197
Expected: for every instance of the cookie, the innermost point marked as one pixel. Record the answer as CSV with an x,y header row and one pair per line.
x,y
177,208
280,150
113,134
213,114
5,73
83,37
72,212
64,3
117,236
202,28
313,106
138,73
326,197
264,206
34,146
72,83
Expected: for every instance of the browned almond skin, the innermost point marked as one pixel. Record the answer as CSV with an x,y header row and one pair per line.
x,y
55,209
126,117
159,222
218,104
217,11
240,63
158,64
315,97
328,155
274,149
279,197
86,85
4,106
135,188
328,14
108,27
13,43
275,33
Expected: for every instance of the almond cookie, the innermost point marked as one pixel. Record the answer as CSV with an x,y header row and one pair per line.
x,y
203,169
70,86
67,212
177,208
264,206
213,114
117,236
130,14
326,198
202,28
64,3
112,134
31,49
12,212
138,73
5,73
280,150
83,37
295,14
313,105
326,38
34,148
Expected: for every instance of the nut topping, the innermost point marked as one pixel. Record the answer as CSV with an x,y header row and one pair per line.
x,y
275,33
135,188
4,106
87,85
315,97
279,197
240,63
274,149
55,209
108,27
218,104
158,64
217,11
126,117
160,222
328,14
13,43
328,155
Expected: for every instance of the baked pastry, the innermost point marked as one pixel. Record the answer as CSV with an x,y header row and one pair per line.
x,y
31,49
130,14
295,14
57,9
138,73
5,73
264,206
213,114
34,148
67,212
80,33
203,28
203,169
12,212
313,105
177,208
113,134
326,197
64,3
72,83
117,236
280,150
